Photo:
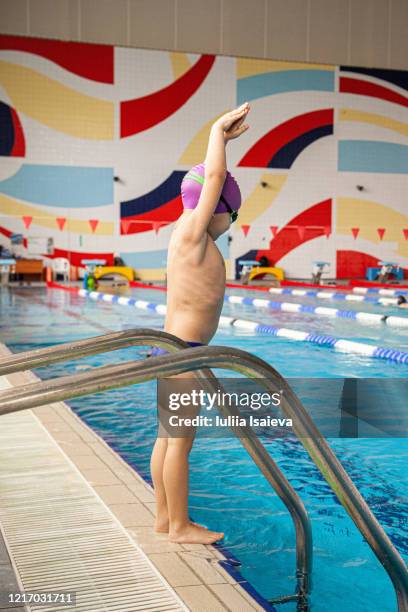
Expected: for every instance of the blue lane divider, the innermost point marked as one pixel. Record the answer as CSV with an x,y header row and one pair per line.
x,y
334,295
322,311
380,291
340,344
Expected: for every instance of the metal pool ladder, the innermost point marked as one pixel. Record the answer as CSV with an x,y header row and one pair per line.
x,y
199,360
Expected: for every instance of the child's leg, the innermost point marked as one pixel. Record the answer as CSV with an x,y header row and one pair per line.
x,y
161,524
170,472
175,478
156,469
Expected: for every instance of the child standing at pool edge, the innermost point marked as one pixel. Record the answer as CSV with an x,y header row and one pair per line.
x,y
195,294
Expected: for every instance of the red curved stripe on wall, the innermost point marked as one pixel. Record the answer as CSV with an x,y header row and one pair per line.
x,y
142,113
94,62
18,149
168,213
364,88
5,232
266,147
354,264
288,239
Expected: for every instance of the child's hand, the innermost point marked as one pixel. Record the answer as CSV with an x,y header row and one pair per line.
x,y
232,123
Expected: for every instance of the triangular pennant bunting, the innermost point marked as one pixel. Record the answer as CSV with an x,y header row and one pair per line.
x,y
125,225
156,225
355,231
61,222
93,223
381,232
245,229
274,230
27,221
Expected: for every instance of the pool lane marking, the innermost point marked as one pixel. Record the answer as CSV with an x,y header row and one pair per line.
x,y
364,290
387,300
357,316
340,344
332,295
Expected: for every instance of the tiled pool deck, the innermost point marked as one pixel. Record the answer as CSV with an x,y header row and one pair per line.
x,y
191,572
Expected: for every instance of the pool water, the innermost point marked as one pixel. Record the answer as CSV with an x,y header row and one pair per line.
x,y
227,491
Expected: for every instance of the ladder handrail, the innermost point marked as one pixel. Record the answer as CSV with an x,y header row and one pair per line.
x,y
37,358
108,377
141,337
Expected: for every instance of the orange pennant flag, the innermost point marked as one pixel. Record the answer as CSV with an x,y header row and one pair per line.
x,y
27,221
61,222
93,223
156,225
125,225
245,229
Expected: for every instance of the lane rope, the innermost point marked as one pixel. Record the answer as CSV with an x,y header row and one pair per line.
x,y
333,295
364,290
340,344
322,311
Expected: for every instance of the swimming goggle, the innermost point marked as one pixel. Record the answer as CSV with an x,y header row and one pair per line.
x,y
233,213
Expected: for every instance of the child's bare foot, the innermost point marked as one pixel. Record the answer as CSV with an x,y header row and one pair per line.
x,y
162,526
195,534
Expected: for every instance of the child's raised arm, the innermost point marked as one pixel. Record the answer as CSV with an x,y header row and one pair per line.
x,y
229,126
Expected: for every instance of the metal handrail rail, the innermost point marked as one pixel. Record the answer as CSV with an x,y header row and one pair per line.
x,y
37,358
109,377
140,337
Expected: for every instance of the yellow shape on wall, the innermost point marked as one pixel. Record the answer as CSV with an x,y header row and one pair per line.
x,y
13,208
261,198
348,114
369,216
197,148
179,63
55,105
249,67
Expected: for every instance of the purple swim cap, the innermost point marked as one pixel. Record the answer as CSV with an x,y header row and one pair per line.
x,y
192,185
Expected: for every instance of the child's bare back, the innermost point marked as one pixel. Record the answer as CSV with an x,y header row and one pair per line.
x,y
195,284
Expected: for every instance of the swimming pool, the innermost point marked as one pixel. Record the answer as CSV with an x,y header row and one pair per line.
x,y
227,492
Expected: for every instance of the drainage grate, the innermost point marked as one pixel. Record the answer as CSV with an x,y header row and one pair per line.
x,y
62,536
